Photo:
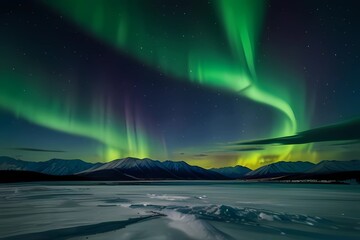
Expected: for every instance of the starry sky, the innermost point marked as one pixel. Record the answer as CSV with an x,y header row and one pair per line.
x,y
213,83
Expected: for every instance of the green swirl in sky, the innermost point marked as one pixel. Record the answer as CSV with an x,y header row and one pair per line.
x,y
214,46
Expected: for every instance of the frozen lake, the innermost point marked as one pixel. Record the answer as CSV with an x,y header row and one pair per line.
x,y
179,210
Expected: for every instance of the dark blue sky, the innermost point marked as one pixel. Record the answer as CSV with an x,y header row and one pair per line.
x,y
316,41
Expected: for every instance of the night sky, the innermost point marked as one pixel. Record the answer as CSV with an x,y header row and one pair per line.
x,y
213,83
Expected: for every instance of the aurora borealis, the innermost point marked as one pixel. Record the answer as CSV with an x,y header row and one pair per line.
x,y
208,82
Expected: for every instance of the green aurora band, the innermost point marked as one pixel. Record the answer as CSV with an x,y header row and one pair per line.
x,y
29,98
191,48
187,53
186,47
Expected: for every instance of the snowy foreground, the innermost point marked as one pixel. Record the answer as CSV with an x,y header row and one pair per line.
x,y
179,210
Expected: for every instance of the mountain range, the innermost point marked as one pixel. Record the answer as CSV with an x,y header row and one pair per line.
x,y
232,172
131,169
136,169
52,167
280,169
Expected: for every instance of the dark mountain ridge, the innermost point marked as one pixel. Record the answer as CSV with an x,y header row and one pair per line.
x,y
152,170
236,172
131,169
52,166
